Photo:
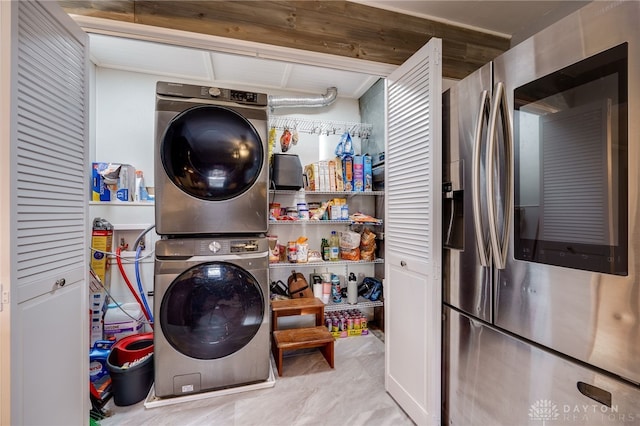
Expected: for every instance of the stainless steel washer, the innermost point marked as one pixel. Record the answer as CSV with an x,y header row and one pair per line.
x,y
211,160
211,314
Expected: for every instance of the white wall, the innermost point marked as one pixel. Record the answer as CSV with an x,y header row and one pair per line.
x,y
124,133
125,120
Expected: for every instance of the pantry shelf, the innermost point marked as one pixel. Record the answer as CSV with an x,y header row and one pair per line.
x,y
320,127
316,264
322,222
303,192
362,303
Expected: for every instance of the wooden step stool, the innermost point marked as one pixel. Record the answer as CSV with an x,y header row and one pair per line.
x,y
302,306
302,338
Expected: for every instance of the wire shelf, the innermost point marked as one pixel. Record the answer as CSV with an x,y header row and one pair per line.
x,y
322,222
303,192
279,265
343,306
321,127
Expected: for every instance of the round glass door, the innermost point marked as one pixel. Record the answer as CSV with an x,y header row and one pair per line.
x,y
212,153
211,310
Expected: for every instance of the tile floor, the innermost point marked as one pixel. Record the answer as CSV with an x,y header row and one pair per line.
x,y
308,393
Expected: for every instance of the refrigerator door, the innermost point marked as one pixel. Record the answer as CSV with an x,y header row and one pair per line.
x,y
467,283
571,280
495,379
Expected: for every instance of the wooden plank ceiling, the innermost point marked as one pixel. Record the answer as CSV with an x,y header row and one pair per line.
x,y
335,27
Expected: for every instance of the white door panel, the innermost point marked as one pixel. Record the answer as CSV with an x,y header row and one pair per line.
x,y
44,231
413,293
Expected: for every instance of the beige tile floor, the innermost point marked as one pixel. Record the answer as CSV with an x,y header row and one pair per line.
x,y
308,393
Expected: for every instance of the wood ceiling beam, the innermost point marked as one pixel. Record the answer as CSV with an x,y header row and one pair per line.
x,y
336,27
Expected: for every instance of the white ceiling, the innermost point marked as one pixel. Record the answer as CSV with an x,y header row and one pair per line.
x,y
223,69
518,19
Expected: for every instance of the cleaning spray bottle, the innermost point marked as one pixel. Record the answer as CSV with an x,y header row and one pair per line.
x,y
140,193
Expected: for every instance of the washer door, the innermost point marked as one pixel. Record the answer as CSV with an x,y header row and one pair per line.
x,y
212,153
211,310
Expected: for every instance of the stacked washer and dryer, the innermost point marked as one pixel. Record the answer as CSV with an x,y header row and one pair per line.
x,y
211,286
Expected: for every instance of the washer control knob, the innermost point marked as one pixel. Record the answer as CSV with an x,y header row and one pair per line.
x,y
214,91
215,246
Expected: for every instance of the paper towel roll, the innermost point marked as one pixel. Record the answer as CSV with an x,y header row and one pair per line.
x,y
352,292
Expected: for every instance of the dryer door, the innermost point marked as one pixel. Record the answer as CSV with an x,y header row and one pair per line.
x,y
212,153
211,310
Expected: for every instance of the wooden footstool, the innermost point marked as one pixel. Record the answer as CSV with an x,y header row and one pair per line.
x,y
302,338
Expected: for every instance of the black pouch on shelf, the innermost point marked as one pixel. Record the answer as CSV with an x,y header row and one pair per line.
x,y
371,288
279,288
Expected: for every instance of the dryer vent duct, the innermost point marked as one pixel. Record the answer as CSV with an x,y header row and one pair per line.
x,y
303,101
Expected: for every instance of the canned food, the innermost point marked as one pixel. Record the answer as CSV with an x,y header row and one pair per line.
x,y
335,325
363,322
349,323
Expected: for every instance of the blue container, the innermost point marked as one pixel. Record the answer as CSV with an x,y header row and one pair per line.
x,y
98,361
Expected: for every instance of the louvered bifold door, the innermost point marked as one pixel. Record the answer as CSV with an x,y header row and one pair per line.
x,y
412,234
49,202
50,164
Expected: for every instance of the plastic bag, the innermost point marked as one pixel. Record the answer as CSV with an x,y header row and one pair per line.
x,y
285,140
349,240
345,146
367,245
350,254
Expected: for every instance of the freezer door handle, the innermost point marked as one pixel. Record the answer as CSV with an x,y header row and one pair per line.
x,y
500,107
595,393
481,239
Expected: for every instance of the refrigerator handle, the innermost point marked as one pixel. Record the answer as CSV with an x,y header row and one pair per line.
x,y
500,107
483,114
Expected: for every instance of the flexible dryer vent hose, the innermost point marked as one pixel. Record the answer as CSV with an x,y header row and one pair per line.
x,y
302,101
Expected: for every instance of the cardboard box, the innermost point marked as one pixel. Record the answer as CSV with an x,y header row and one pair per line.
x,y
97,308
368,174
312,182
112,182
324,175
347,172
339,177
101,244
358,173
332,175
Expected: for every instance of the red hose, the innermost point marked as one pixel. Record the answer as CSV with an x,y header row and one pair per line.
x,y
126,280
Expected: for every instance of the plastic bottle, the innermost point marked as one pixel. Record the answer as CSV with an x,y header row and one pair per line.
x,y
140,192
336,292
118,324
334,247
352,289
324,247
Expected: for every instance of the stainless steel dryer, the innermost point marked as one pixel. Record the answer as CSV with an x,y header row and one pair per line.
x,y
211,173
211,314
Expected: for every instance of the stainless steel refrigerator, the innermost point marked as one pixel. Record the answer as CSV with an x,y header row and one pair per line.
x,y
541,229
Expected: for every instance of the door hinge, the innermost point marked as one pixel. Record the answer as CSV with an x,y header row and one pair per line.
x,y
4,297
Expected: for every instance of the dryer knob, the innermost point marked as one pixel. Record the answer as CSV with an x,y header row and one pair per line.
x,y
214,91
215,246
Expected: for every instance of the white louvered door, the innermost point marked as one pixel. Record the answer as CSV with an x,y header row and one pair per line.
x,y
44,343
413,235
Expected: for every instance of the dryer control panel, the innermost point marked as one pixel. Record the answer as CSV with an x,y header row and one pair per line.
x,y
213,93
